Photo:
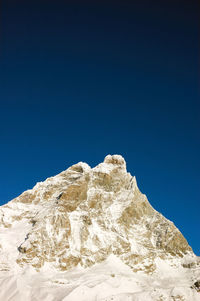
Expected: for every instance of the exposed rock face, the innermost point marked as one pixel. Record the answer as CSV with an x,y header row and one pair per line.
x,y
197,285
83,215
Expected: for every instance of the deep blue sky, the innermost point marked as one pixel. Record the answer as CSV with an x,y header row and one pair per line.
x,y
80,80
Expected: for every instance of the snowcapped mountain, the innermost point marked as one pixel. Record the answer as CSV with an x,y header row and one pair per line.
x,y
89,234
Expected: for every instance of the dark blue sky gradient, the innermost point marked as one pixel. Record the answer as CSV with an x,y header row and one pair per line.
x,y
80,80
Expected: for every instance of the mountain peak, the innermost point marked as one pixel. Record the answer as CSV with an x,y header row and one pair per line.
x,y
83,216
115,159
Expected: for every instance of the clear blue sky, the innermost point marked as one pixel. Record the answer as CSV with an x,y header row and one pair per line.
x,y
80,80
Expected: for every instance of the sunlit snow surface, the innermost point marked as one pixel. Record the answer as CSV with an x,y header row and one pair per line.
x,y
110,280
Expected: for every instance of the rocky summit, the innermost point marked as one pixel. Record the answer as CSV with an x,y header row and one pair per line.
x,y
89,234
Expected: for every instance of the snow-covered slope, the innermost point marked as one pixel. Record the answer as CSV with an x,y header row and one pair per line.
x,y
90,234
